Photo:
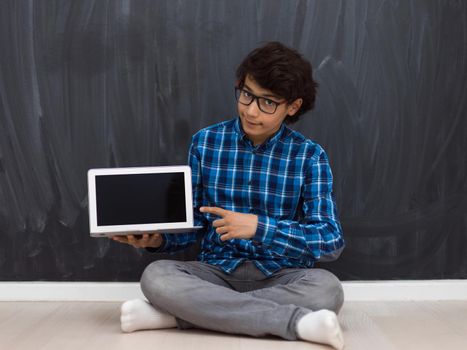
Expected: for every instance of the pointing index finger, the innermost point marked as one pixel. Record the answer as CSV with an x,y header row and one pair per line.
x,y
213,210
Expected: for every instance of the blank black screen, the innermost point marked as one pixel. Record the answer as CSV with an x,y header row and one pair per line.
x,y
140,199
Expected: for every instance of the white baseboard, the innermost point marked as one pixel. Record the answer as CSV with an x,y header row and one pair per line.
x,y
120,291
406,290
76,291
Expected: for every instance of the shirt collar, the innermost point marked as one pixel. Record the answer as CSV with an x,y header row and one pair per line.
x,y
243,137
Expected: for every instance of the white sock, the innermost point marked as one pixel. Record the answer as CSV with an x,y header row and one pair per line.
x,y
321,327
138,314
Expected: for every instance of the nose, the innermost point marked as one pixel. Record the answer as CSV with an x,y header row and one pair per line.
x,y
253,109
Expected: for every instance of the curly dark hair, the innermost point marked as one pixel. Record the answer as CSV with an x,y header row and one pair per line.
x,y
283,71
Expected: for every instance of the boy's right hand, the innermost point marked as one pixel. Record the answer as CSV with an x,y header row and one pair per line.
x,y
147,240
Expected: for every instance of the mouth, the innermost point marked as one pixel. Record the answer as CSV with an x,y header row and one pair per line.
x,y
251,123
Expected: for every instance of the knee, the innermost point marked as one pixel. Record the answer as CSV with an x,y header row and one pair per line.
x,y
154,278
333,293
327,292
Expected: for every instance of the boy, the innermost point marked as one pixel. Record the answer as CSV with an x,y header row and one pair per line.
x,y
264,194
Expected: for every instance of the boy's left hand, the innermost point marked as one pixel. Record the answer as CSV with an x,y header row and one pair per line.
x,y
232,224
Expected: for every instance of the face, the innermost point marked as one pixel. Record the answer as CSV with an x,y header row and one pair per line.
x,y
257,125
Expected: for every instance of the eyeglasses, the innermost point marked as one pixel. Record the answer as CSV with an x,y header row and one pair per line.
x,y
265,105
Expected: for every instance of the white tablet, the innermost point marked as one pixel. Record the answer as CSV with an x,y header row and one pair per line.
x,y
140,199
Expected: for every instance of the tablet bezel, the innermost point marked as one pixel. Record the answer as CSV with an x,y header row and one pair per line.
x,y
109,230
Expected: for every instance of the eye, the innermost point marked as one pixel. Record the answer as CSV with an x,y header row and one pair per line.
x,y
269,103
246,94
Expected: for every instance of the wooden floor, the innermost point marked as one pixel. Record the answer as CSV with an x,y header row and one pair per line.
x,y
95,326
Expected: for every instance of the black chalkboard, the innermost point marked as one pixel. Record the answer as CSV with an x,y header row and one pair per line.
x,y
88,84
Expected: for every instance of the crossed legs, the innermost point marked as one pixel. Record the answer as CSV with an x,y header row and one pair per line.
x,y
293,304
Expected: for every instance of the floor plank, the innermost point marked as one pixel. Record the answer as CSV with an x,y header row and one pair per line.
x,y
95,325
360,330
412,325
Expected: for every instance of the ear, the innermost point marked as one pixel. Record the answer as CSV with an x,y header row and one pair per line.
x,y
294,106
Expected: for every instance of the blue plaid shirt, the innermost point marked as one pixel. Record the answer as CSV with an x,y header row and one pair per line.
x,y
286,181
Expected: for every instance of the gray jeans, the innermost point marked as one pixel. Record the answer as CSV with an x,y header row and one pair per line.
x,y
246,302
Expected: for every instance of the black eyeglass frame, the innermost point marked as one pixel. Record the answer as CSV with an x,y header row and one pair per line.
x,y
238,91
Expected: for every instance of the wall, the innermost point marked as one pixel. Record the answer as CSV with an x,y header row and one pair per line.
x,y
88,84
